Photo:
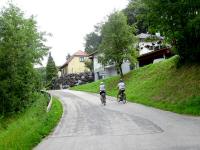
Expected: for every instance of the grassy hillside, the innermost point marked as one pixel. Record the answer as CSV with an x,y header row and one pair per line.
x,y
24,131
162,85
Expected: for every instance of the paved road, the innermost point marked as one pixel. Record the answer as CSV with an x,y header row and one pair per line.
x,y
87,125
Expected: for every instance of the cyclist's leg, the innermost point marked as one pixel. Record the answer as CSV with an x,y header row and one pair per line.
x,y
100,95
124,96
118,95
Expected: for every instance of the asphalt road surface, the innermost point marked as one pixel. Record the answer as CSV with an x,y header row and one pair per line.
x,y
88,125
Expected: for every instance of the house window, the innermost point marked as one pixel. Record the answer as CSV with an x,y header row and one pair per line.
x,y
82,59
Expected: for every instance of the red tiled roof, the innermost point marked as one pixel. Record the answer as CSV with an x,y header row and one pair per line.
x,y
78,53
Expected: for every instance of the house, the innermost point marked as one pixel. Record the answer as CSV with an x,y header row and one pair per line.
x,y
101,71
151,50
154,56
75,63
148,43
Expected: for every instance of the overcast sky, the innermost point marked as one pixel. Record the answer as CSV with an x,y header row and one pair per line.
x,y
68,21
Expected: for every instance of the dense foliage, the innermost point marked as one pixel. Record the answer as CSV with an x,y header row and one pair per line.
x,y
42,75
179,22
89,65
118,41
136,13
21,46
92,42
51,71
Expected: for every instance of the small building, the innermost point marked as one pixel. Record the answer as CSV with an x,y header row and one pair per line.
x,y
151,50
101,71
154,56
148,43
75,63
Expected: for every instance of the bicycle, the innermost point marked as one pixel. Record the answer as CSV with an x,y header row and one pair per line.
x,y
103,98
122,97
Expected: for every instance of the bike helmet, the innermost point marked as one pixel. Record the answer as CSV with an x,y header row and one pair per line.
x,y
121,80
101,83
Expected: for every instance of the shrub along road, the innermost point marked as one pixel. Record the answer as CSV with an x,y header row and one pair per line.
x,y
86,124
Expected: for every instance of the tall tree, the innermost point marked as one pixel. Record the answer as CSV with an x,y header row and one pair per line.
x,y
117,41
21,46
93,40
179,21
51,70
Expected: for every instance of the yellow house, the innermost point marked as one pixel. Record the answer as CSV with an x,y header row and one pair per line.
x,y
75,64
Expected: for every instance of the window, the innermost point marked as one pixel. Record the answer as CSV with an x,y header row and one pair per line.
x,y
81,59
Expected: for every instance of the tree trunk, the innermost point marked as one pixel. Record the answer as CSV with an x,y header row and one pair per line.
x,y
120,70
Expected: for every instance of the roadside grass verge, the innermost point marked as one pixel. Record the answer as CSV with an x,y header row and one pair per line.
x,y
163,85
26,130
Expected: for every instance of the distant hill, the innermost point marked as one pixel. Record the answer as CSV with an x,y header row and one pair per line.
x,y
162,85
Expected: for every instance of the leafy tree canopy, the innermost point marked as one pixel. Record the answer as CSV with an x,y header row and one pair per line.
x,y
179,21
117,41
21,46
89,64
93,40
136,12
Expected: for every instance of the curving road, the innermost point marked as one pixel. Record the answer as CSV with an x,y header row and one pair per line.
x,y
87,125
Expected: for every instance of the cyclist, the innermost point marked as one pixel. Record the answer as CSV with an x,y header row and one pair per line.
x,y
102,88
121,87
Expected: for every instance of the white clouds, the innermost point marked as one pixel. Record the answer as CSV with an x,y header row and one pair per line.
x,y
68,20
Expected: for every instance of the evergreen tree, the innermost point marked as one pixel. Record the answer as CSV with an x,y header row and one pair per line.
x,y
51,70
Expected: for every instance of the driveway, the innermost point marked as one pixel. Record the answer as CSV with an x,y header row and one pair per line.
x,y
87,125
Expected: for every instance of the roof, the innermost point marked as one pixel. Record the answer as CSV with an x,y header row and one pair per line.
x,y
143,35
146,35
93,53
78,53
164,50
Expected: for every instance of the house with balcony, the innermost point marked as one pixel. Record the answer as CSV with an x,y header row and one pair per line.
x,y
151,49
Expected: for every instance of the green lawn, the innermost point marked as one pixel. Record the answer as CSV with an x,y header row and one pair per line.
x,y
162,85
26,130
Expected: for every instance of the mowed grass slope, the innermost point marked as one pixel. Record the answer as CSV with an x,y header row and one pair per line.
x,y
162,85
24,131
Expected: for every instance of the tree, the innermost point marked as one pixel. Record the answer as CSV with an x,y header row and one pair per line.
x,y
42,75
179,22
117,41
68,56
51,70
136,13
89,64
21,46
93,40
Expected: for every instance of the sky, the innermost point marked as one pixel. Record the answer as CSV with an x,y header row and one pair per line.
x,y
67,20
